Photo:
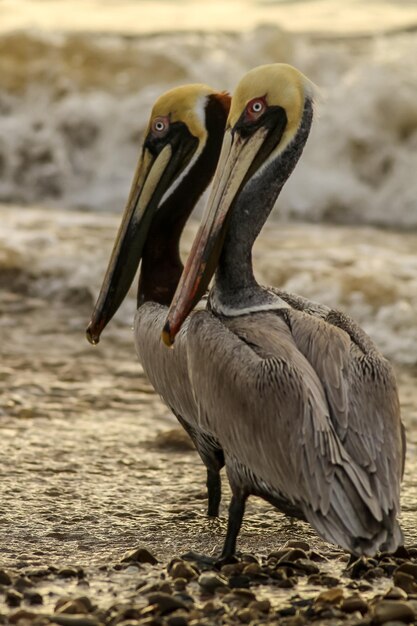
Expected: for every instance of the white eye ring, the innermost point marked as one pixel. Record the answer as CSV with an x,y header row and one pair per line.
x,y
257,107
160,125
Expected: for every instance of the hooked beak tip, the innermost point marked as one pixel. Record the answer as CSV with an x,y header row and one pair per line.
x,y
92,336
166,335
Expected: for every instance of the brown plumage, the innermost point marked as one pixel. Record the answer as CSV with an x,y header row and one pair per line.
x,y
304,406
178,159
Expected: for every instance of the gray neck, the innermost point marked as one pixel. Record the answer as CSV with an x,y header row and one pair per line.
x,y
235,286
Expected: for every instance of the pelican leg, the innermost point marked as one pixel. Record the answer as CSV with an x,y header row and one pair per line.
x,y
213,458
236,513
214,492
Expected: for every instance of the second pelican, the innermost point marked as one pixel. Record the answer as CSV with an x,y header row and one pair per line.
x,y
179,157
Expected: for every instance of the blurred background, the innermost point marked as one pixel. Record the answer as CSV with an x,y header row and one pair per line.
x,y
77,81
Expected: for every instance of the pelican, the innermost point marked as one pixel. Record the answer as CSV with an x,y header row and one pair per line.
x,y
179,156
304,406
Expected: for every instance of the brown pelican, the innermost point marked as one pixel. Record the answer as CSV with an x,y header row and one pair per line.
x,y
178,159
304,406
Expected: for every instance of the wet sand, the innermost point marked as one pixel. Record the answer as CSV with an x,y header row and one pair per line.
x,y
92,463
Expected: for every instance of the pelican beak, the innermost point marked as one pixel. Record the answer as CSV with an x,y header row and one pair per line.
x,y
154,175
238,160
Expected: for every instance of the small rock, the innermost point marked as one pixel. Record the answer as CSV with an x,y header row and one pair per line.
x,y
5,578
239,582
177,620
249,558
211,607
76,606
67,572
252,569
297,543
233,569
396,593
139,555
239,597
408,568
40,571
23,583
287,611
358,568
166,603
316,556
210,581
22,614
246,615
354,603
293,555
375,572
389,610
180,584
263,606
13,597
405,581
33,597
180,569
331,596
306,566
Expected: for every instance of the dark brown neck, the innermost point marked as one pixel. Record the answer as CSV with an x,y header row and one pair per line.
x,y
161,266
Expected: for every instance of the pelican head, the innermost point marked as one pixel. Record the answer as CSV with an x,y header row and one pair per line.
x,y
178,158
267,114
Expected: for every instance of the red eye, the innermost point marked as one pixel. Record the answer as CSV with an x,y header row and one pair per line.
x,y
255,108
160,126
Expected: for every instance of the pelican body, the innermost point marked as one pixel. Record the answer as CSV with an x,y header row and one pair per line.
x,y
178,159
304,406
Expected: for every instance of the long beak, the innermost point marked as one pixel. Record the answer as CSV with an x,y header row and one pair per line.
x,y
144,196
234,168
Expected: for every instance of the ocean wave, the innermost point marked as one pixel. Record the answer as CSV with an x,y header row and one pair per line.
x,y
73,109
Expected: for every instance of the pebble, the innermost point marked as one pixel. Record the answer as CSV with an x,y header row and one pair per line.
x,y
165,602
42,571
177,620
390,610
21,614
306,566
263,606
396,593
293,554
180,584
405,581
5,578
75,606
408,568
180,569
246,616
233,569
354,603
23,583
33,597
13,597
139,555
239,597
297,543
68,572
330,596
210,581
